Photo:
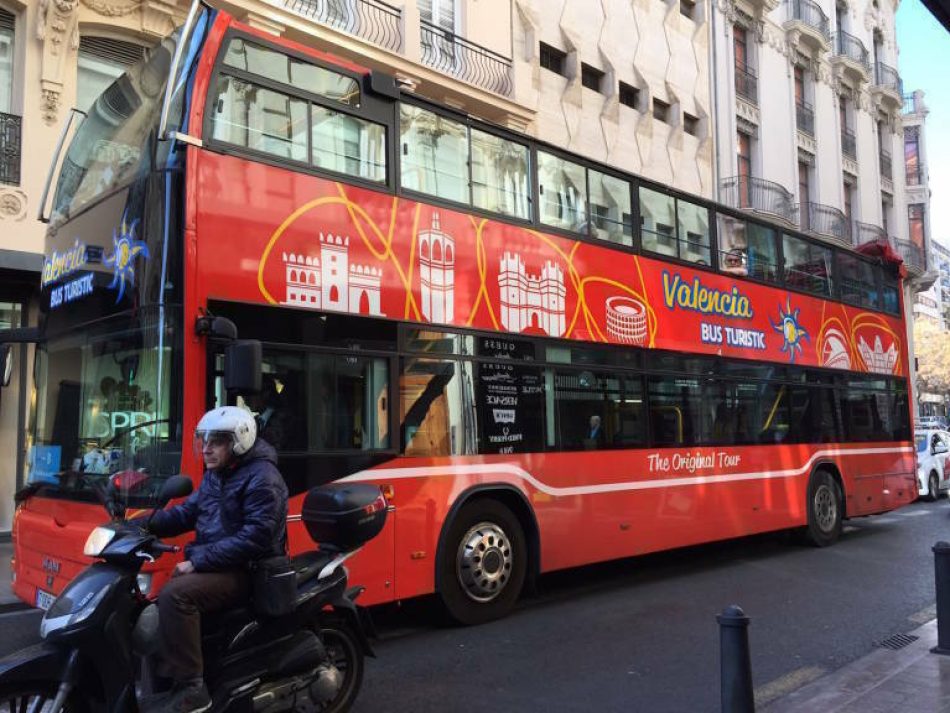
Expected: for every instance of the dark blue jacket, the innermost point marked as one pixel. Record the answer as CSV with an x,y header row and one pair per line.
x,y
238,515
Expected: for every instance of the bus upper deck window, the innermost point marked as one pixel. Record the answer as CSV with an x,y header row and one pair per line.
x,y
269,63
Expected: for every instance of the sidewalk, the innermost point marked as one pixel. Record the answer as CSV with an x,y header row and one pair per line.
x,y
885,681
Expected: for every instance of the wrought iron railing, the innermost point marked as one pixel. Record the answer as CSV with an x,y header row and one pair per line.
x,y
760,195
912,254
449,53
747,84
910,104
867,233
824,220
887,77
10,141
373,20
847,45
811,14
884,161
805,117
849,146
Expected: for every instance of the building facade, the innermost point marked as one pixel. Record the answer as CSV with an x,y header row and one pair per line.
x,y
624,83
809,120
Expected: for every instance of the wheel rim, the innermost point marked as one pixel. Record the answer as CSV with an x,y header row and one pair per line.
x,y
342,653
933,485
484,562
826,508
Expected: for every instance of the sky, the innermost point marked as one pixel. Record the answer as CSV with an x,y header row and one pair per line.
x,y
924,63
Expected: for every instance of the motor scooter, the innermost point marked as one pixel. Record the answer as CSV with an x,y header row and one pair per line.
x,y
100,635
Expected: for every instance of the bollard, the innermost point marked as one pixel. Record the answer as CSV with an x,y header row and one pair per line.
x,y
942,580
736,668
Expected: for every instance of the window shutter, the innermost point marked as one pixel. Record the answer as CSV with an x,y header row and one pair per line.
x,y
112,51
7,21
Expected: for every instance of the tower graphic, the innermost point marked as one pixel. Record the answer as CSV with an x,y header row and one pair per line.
x,y
330,282
530,301
437,273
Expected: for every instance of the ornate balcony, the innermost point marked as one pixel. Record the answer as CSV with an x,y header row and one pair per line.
x,y
759,196
805,118
449,53
10,138
850,56
849,146
808,24
867,233
888,84
912,254
373,20
825,221
747,83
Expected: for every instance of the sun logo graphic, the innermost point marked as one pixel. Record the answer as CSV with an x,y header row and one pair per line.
x,y
792,332
125,248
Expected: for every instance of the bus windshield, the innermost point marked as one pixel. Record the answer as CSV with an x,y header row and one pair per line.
x,y
107,407
113,141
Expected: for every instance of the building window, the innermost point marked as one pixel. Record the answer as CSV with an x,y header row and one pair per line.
x,y
629,96
915,218
885,214
7,23
661,110
553,59
804,188
101,61
912,155
690,124
848,193
848,142
746,81
744,166
688,8
591,77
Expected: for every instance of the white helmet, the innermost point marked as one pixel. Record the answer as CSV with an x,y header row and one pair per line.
x,y
231,422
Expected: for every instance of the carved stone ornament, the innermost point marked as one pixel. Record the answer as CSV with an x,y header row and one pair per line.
x,y
728,10
57,25
12,204
113,8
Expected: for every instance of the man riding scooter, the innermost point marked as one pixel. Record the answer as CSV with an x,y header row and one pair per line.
x,y
239,515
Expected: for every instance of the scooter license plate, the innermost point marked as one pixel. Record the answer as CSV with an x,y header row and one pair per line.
x,y
44,600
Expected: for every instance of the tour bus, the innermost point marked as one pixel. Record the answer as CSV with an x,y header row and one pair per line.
x,y
543,361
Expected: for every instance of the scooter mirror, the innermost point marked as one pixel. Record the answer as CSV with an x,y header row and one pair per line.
x,y
177,486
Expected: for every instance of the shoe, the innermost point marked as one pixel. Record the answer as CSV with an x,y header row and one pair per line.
x,y
188,697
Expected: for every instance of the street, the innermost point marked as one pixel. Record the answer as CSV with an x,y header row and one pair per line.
x,y
641,634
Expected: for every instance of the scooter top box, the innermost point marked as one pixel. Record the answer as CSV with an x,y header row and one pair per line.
x,y
344,515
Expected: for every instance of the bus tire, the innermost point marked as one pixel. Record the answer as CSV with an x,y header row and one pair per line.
x,y
825,509
933,487
483,563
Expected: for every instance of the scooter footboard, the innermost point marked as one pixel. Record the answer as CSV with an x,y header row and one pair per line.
x,y
41,662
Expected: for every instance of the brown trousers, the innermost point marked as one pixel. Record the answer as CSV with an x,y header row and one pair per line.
x,y
180,605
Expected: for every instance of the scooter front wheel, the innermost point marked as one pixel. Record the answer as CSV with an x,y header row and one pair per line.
x,y
38,697
344,652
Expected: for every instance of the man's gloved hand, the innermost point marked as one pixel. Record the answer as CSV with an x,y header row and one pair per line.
x,y
181,568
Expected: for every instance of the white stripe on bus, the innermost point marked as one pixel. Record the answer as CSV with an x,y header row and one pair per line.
x,y
383,474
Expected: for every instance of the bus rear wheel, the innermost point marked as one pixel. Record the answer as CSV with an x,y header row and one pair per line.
x,y
483,563
825,509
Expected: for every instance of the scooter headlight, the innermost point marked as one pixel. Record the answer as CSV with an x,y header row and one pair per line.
x,y
97,541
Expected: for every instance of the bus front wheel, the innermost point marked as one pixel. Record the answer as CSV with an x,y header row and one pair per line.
x,y
483,563
825,509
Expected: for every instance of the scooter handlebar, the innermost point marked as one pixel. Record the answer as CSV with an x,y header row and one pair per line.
x,y
162,547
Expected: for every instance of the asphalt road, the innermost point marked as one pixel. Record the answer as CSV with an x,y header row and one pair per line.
x,y
641,634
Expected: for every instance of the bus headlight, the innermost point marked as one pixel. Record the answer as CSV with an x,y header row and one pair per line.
x,y
97,541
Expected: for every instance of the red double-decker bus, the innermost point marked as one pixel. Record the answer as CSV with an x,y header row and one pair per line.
x,y
543,361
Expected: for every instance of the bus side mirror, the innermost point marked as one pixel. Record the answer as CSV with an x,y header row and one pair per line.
x,y
242,366
6,364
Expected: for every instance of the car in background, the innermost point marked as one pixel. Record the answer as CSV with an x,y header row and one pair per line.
x,y
932,422
933,470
